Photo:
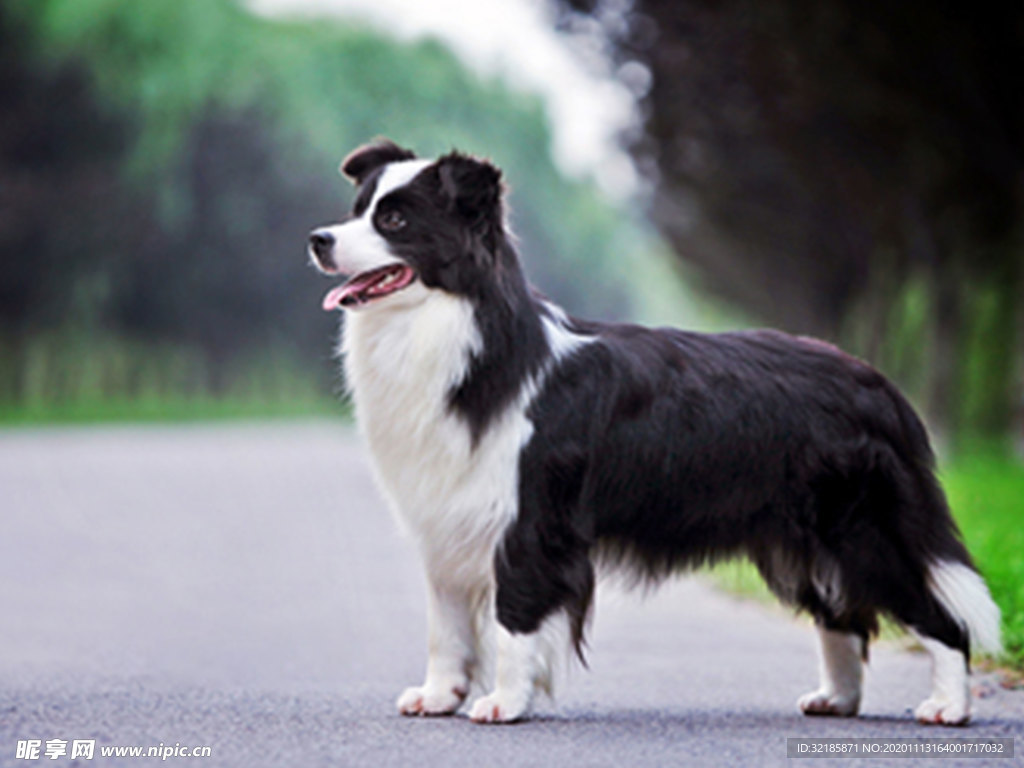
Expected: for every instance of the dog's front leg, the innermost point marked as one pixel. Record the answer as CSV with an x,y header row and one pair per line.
x,y
535,600
521,668
451,654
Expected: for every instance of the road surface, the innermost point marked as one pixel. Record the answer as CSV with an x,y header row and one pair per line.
x,y
243,588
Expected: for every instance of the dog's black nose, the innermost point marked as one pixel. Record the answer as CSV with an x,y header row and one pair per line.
x,y
321,241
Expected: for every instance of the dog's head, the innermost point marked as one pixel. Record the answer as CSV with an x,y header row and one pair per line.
x,y
416,225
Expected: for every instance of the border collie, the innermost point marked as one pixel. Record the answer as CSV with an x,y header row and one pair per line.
x,y
523,449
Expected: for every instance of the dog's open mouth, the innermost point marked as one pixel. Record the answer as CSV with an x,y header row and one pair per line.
x,y
368,286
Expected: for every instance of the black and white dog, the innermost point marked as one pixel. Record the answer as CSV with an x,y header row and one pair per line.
x,y
523,449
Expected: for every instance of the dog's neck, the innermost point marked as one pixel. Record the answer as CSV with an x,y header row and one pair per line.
x,y
513,346
471,355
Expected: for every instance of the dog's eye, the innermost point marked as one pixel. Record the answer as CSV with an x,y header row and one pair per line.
x,y
390,221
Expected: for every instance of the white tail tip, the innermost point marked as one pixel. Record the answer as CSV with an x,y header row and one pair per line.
x,y
963,593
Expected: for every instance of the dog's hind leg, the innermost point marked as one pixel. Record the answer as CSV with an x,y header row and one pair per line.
x,y
841,675
842,636
950,699
451,650
943,633
955,615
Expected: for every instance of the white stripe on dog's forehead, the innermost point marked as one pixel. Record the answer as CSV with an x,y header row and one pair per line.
x,y
396,175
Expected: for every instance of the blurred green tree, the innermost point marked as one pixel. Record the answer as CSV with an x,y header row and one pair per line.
x,y
162,162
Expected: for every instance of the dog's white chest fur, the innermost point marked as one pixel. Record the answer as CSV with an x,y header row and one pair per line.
x,y
453,497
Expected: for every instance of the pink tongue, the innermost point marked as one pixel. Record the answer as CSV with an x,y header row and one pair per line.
x,y
354,286
333,299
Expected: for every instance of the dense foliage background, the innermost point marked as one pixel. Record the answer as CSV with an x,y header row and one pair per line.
x,y
162,162
850,170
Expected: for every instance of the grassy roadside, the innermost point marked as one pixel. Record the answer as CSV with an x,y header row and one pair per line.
x,y
74,377
169,409
986,493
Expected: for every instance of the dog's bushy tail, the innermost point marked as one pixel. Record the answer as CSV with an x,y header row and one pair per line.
x,y
963,594
951,577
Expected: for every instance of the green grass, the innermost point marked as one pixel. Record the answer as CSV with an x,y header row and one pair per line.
x,y
986,493
167,408
69,378
741,578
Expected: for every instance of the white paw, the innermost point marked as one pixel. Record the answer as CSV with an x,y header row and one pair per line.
x,y
431,700
499,707
824,702
942,711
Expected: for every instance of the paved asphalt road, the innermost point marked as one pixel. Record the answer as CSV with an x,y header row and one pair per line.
x,y
243,587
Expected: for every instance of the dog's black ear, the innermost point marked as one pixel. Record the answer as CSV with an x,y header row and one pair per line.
x,y
473,187
369,157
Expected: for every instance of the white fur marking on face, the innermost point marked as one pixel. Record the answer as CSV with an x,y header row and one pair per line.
x,y
358,246
395,175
